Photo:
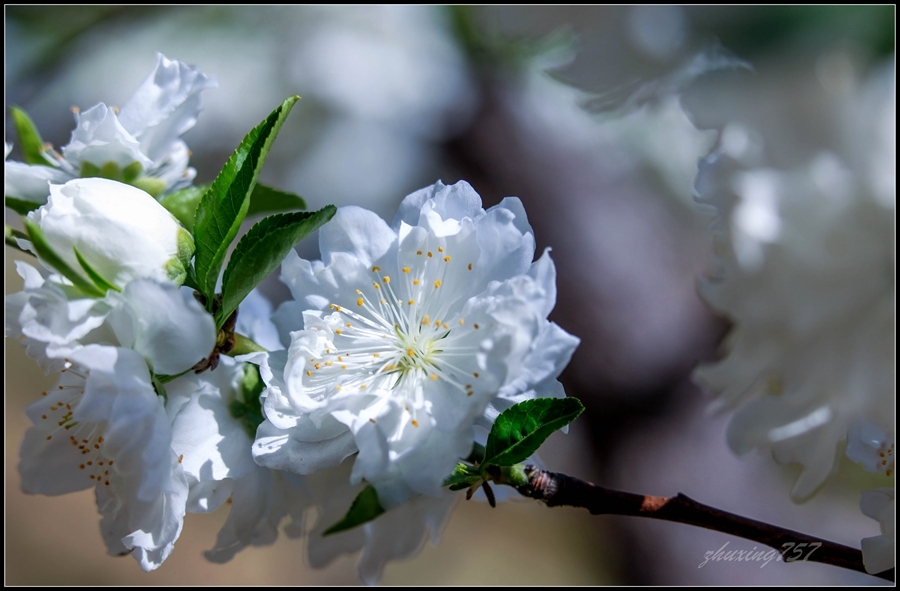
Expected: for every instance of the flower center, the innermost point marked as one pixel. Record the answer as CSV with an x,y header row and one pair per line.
x,y
396,334
81,443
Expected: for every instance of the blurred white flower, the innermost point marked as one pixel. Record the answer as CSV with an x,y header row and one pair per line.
x,y
805,253
140,145
398,534
405,336
872,446
120,230
878,551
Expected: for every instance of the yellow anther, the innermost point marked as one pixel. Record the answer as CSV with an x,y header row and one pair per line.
x,y
429,254
444,324
406,269
309,373
418,252
437,323
410,352
376,269
181,458
415,281
338,331
338,387
375,283
340,358
359,302
437,283
386,279
462,321
447,259
363,387
411,302
329,363
376,355
469,393
349,325
358,292
331,307
343,367
433,377
470,266
317,366
415,423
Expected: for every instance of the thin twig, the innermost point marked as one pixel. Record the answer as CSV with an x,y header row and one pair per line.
x,y
556,489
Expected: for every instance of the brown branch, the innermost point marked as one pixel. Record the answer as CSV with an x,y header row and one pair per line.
x,y
559,489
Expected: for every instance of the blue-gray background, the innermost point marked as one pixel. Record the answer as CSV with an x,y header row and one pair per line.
x,y
395,98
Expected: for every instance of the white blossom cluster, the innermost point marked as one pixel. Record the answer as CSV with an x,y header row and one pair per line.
x,y
805,257
395,348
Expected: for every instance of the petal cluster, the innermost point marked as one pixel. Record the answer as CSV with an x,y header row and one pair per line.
x,y
805,259
140,145
403,337
105,425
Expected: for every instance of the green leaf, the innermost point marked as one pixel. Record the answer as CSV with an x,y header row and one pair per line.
x,y
365,508
222,209
521,429
183,204
21,206
29,138
266,199
99,280
49,256
261,250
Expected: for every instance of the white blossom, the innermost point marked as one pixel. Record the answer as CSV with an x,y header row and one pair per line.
x,y
395,535
214,447
120,230
805,255
105,424
141,144
403,337
878,551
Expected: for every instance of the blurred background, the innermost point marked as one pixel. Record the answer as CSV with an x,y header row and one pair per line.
x,y
585,113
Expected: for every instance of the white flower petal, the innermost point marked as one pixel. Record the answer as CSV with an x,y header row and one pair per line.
x,y
260,502
120,230
878,551
165,106
284,450
164,324
31,182
99,138
356,232
407,336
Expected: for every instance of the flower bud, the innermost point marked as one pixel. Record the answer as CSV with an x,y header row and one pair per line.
x,y
121,231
